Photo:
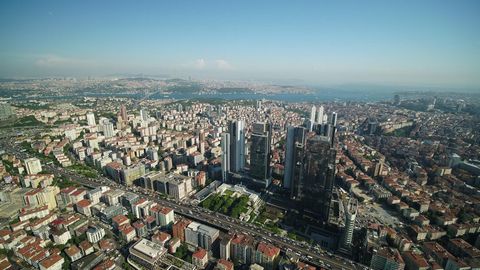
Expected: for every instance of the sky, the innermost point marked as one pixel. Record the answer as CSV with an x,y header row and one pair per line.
x,y
420,43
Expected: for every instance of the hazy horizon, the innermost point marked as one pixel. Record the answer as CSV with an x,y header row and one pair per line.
x,y
427,44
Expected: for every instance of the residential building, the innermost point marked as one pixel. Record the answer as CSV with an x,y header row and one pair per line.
x,y
95,234
387,259
200,258
32,165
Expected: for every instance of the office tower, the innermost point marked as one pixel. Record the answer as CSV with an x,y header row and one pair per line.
x,y
225,143
180,107
333,123
260,152
237,145
32,165
123,113
199,235
333,119
317,176
312,118
294,145
143,114
320,115
91,119
350,210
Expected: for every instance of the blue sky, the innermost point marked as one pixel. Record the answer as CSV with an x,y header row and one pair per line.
x,y
316,42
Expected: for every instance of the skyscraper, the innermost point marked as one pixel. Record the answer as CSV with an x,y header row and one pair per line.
x,y
225,143
91,119
295,143
237,145
320,115
260,152
333,123
143,114
333,119
123,113
317,174
312,118
350,209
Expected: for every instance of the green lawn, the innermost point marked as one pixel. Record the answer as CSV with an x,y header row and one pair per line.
x,y
27,121
84,170
226,204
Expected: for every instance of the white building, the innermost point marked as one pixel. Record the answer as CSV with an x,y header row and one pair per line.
x,y
146,253
95,234
91,119
225,156
61,236
33,165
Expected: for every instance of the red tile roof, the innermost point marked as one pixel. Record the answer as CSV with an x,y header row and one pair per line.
x,y
48,262
119,219
200,254
83,203
227,264
268,250
166,210
84,245
72,250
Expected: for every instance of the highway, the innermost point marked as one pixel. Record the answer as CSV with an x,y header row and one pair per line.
x,y
305,252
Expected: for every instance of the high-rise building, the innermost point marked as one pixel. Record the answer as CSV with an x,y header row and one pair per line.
x,y
312,118
314,185
225,156
333,123
259,105
294,145
386,258
319,115
237,145
199,235
225,247
260,152
143,114
91,119
201,141
123,113
107,128
350,210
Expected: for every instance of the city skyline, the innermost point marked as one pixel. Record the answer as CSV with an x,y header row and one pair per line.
x,y
423,44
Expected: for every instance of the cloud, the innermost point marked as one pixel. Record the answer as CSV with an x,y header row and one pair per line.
x,y
52,60
223,64
200,63
205,64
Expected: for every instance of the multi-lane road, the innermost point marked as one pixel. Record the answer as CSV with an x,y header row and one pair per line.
x,y
306,252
